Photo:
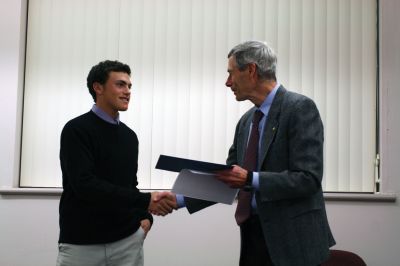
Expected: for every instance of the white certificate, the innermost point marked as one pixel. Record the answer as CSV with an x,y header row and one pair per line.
x,y
203,185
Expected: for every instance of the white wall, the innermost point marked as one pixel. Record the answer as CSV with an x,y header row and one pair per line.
x,y
29,224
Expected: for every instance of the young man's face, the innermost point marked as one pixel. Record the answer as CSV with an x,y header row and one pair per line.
x,y
114,95
238,81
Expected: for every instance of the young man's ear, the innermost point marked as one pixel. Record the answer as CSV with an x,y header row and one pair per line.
x,y
98,88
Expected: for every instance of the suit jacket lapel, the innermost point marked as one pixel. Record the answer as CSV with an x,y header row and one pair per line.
x,y
272,124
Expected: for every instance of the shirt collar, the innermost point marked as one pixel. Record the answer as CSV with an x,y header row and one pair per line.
x,y
268,100
103,115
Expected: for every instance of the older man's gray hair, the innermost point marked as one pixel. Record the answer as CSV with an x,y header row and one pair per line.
x,y
258,53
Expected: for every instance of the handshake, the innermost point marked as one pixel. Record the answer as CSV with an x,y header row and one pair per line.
x,y
162,203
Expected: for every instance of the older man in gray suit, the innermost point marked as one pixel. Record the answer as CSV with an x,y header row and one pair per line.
x,y
277,158
282,219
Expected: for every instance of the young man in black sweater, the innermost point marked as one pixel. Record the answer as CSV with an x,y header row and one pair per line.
x,y
104,218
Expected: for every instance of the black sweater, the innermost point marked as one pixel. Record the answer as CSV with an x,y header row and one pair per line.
x,y
100,202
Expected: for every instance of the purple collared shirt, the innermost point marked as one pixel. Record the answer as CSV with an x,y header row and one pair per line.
x,y
103,115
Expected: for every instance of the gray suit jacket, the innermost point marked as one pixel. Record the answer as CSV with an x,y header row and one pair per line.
x,y
290,201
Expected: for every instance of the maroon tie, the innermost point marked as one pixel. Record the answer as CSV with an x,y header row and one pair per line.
x,y
250,164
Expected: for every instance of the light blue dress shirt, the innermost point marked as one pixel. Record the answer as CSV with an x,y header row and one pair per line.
x,y
264,108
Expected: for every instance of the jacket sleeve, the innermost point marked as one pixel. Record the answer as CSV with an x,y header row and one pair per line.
x,y
195,205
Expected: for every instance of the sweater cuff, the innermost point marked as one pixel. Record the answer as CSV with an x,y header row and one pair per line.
x,y
150,217
143,201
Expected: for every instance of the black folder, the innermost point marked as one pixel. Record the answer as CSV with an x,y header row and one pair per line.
x,y
176,164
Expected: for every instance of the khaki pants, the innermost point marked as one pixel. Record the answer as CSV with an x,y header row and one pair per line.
x,y
124,252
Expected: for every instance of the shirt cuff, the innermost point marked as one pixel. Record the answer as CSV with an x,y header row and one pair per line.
x,y
180,201
256,181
